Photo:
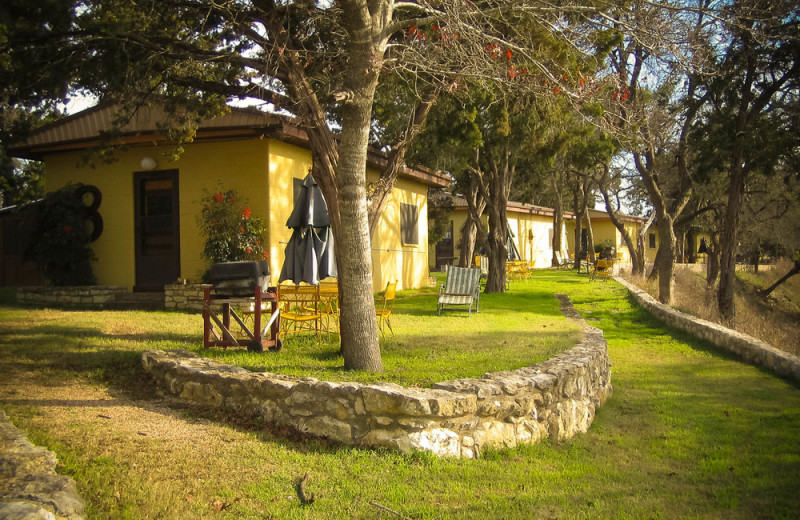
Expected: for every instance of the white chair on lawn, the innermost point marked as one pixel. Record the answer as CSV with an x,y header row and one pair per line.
x,y
460,290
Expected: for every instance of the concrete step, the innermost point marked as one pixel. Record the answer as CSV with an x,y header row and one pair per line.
x,y
146,301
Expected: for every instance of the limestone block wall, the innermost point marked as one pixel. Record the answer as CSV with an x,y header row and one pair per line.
x,y
187,297
557,398
98,295
746,347
30,488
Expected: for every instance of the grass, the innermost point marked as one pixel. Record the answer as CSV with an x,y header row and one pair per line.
x,y
511,331
689,433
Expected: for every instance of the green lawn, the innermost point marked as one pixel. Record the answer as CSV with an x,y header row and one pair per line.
x,y
511,331
688,433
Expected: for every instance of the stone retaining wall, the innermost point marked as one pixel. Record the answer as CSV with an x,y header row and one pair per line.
x,y
90,295
30,489
557,398
188,297
746,347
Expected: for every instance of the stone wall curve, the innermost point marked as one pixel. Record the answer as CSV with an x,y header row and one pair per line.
x,y
461,418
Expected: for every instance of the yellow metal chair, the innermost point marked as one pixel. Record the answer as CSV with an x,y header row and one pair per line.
x,y
602,268
300,309
329,306
385,311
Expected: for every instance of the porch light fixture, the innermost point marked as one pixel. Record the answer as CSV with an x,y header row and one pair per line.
x,y
148,163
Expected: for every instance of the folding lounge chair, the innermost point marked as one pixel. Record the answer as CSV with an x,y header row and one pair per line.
x,y
563,261
460,290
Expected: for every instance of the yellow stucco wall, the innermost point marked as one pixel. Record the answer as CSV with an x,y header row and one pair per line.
x,y
238,165
286,162
262,171
391,259
534,237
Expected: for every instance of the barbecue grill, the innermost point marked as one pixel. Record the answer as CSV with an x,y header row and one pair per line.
x,y
244,284
236,279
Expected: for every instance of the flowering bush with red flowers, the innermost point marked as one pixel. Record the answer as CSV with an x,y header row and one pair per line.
x,y
230,230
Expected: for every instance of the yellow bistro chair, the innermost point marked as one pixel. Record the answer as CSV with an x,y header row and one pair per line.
x,y
384,310
300,309
602,268
329,306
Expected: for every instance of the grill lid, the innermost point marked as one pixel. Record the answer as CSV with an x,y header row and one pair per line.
x,y
239,278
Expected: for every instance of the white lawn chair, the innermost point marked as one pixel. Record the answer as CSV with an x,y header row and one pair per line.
x,y
460,290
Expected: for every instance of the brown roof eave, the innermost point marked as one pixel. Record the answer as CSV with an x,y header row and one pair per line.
x,y
37,152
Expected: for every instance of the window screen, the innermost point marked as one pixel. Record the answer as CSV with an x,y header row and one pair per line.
x,y
652,240
409,220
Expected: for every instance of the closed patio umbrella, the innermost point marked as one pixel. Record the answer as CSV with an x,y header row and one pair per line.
x,y
309,253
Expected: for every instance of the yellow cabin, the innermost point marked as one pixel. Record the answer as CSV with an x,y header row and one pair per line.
x,y
150,203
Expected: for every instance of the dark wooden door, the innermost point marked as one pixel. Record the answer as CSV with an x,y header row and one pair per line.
x,y
444,249
157,220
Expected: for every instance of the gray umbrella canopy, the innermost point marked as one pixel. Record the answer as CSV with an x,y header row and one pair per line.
x,y
310,209
309,253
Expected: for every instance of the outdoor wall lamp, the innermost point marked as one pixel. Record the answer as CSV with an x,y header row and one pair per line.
x,y
148,163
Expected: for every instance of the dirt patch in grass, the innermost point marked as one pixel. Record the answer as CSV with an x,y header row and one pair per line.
x,y
775,320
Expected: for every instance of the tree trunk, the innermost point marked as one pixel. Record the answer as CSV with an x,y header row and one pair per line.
x,y
359,328
656,269
728,241
793,271
756,258
476,205
641,243
590,253
558,220
579,210
666,267
466,248
712,271
637,263
680,250
498,257
691,238
498,248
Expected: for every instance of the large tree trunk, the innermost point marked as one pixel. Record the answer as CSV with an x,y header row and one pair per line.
x,y
656,268
691,239
494,184
666,266
498,250
359,329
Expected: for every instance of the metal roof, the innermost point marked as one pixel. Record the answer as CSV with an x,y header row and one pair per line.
x,y
85,129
